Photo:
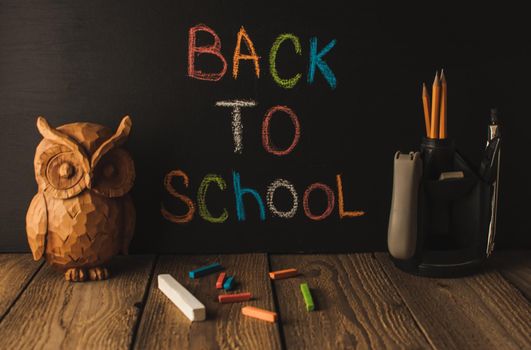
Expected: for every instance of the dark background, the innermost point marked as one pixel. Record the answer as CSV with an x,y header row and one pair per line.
x,y
99,60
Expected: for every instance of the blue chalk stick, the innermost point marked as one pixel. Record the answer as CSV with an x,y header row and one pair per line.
x,y
228,283
205,270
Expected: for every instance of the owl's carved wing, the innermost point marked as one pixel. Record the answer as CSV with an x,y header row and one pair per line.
x,y
37,225
129,219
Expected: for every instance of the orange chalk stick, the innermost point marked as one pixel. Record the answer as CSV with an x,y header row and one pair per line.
x,y
277,275
221,279
233,298
260,314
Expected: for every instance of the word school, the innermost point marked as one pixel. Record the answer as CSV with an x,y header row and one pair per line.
x,y
239,192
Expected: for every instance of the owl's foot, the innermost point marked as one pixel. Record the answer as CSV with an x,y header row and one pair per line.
x,y
75,275
98,273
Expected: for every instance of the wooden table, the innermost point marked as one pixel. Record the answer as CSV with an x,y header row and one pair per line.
x,y
362,301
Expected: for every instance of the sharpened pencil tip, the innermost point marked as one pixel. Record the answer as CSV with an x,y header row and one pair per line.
x,y
436,79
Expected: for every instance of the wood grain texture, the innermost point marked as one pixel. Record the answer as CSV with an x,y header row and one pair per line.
x,y
53,313
16,270
163,326
515,266
356,305
478,312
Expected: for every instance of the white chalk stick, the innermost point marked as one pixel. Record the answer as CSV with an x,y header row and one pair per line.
x,y
182,298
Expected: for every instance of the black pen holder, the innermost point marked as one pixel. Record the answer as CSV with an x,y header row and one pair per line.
x,y
437,157
452,214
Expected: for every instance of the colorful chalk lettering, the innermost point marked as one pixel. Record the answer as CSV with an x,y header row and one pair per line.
x,y
330,201
341,205
178,219
238,56
201,198
214,49
238,194
316,60
266,141
290,82
271,192
236,114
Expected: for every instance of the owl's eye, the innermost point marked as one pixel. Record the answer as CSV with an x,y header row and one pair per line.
x,y
108,171
63,173
115,173
66,170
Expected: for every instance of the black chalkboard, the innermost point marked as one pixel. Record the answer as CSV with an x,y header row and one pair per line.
x,y
99,60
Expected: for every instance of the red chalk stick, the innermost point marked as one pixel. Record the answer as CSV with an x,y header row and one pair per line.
x,y
277,275
233,298
260,314
219,282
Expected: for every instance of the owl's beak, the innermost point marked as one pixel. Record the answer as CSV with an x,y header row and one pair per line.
x,y
88,180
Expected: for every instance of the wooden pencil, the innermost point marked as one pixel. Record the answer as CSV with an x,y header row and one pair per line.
x,y
426,107
435,98
442,114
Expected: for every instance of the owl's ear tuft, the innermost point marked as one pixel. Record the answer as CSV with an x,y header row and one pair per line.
x,y
125,126
116,140
43,126
57,136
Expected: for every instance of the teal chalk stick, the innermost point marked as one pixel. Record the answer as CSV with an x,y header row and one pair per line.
x,y
205,270
308,300
228,283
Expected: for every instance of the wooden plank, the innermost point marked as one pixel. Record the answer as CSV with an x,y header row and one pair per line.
x,y
477,312
515,266
163,326
356,306
53,313
16,270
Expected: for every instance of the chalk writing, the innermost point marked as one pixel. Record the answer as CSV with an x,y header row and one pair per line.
x,y
316,62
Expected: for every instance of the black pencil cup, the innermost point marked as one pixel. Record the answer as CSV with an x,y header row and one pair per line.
x,y
452,215
437,157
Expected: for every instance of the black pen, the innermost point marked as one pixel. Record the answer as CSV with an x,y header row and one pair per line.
x,y
490,172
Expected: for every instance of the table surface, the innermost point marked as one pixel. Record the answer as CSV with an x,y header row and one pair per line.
x,y
362,301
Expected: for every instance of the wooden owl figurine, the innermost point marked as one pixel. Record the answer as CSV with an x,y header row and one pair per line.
x,y
82,214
